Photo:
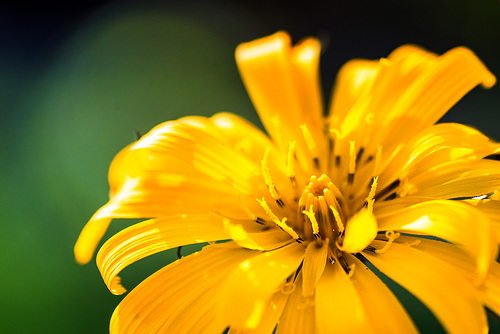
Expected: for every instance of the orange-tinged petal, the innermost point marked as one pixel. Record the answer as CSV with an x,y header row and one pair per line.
x,y
339,308
188,287
385,312
449,220
448,294
248,289
153,236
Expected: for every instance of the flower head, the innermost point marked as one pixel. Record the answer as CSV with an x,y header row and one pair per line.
x,y
294,218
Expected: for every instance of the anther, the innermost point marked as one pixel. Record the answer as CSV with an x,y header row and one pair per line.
x,y
352,161
371,195
281,223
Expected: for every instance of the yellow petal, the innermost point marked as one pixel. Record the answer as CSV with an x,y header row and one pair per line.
x,y
449,220
248,289
339,308
189,166
457,179
436,145
189,287
314,264
299,314
442,288
354,79
270,69
488,292
251,235
385,312
491,208
361,229
269,318
153,236
432,94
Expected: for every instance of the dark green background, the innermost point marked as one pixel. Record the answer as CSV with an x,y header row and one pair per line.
x,y
77,81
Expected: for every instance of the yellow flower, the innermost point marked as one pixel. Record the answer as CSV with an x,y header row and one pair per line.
x,y
292,219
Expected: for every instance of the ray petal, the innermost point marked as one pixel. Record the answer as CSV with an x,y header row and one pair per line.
x,y
188,287
250,286
178,163
385,312
339,308
153,236
299,314
453,221
448,294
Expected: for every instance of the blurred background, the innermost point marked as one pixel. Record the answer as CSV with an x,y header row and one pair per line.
x,y
78,80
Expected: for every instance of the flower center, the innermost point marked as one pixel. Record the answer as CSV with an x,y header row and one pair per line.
x,y
320,211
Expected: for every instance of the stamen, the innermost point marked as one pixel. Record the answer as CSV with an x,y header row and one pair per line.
x,y
391,236
281,223
268,179
247,210
371,195
290,162
311,145
315,227
352,161
338,220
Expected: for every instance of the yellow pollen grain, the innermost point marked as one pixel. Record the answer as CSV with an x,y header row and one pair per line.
x,y
310,214
267,175
352,156
281,223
